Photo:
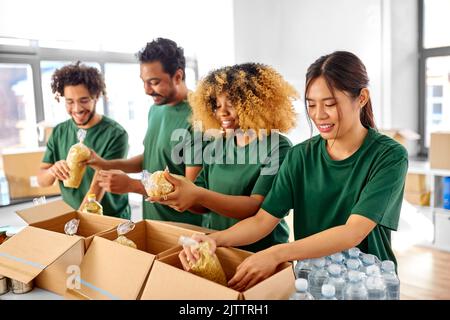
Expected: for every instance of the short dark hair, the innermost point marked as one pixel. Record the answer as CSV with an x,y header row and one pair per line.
x,y
165,51
76,74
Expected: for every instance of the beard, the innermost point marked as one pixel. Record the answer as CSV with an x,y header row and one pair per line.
x,y
91,115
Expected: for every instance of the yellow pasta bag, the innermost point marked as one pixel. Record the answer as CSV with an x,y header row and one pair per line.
x,y
208,265
77,153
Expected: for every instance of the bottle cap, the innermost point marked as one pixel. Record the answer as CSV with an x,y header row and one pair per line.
x,y
301,284
328,290
319,262
388,265
334,269
368,258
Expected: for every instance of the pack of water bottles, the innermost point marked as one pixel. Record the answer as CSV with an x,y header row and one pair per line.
x,y
347,275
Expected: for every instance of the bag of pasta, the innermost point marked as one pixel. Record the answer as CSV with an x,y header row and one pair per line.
x,y
123,229
156,184
77,154
71,227
208,265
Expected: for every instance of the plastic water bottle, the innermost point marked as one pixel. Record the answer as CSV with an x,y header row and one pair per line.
x,y
4,190
317,277
446,193
391,280
355,288
339,259
367,260
376,288
301,290
328,292
303,268
337,279
352,264
354,253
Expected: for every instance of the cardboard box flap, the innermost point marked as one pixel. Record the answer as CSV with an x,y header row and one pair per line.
x,y
168,280
112,271
45,211
280,286
28,253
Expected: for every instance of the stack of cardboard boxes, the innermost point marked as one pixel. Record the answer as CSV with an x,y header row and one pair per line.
x,y
92,266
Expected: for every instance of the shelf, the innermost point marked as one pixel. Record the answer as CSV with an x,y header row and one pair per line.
x,y
423,167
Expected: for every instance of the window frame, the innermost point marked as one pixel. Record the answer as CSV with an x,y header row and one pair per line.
x,y
34,55
424,54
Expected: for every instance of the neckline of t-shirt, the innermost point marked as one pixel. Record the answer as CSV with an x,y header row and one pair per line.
x,y
367,140
179,105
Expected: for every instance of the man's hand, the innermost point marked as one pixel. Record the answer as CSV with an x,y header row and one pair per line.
x,y
60,170
96,162
114,181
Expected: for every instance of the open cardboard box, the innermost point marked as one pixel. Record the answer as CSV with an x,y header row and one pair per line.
x,y
42,256
110,270
168,280
54,215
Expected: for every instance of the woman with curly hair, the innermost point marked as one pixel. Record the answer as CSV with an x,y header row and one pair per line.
x,y
246,104
345,185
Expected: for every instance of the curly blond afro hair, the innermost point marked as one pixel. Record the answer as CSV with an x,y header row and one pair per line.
x,y
260,95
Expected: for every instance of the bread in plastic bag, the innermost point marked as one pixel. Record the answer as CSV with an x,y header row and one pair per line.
x,y
77,154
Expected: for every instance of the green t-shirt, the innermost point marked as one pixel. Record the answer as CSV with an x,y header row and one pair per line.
x,y
243,171
324,192
110,141
166,143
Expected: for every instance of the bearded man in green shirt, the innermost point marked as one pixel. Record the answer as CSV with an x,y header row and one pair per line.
x,y
82,86
162,70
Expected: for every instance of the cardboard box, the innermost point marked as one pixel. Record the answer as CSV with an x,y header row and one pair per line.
x,y
125,278
440,150
415,183
42,256
54,215
110,271
401,135
168,280
21,168
418,198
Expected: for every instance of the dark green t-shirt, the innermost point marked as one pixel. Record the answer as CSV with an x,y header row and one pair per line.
x,y
110,141
324,192
168,135
243,171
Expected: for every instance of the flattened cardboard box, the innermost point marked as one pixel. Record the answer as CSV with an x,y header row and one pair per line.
x,y
110,270
40,255
54,215
168,280
21,167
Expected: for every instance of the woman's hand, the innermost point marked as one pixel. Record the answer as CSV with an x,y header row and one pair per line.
x,y
253,270
189,255
183,197
60,170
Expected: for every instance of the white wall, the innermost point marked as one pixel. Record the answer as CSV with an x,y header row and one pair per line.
x,y
292,34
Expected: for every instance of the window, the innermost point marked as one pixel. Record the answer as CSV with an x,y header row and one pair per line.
x,y
17,107
434,69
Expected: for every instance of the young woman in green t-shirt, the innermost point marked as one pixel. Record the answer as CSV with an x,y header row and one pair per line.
x,y
345,184
239,105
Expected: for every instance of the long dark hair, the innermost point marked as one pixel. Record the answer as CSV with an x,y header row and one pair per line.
x,y
343,71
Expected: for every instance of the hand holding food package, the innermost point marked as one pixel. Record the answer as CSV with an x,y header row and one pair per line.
x,y
77,154
208,265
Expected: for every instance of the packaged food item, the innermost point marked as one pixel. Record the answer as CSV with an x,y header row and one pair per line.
x,y
93,206
39,201
18,287
71,227
3,236
208,265
77,154
156,184
123,229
